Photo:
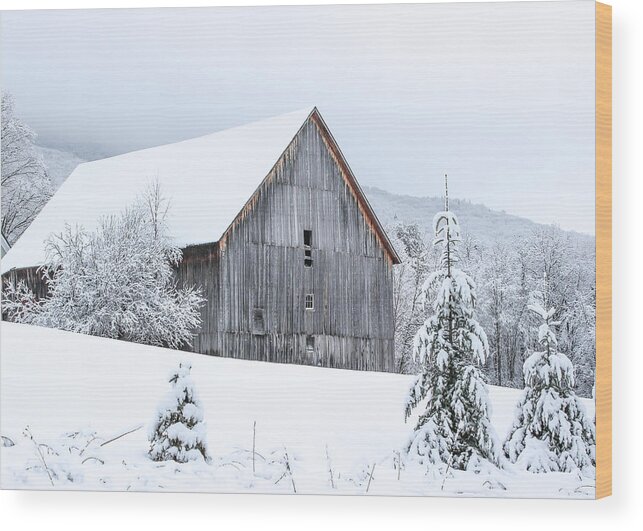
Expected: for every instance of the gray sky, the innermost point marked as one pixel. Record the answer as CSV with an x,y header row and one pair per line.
x,y
500,96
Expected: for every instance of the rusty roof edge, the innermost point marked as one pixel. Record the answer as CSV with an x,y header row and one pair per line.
x,y
359,192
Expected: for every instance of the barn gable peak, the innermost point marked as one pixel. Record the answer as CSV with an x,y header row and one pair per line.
x,y
332,146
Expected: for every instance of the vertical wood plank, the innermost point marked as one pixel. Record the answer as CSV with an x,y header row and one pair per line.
x,y
603,250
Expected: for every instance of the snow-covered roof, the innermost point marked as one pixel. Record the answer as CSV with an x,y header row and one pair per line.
x,y
4,246
229,165
208,181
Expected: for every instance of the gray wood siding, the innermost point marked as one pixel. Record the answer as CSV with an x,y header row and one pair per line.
x,y
31,276
260,264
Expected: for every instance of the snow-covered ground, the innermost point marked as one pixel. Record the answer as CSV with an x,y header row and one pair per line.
x,y
64,396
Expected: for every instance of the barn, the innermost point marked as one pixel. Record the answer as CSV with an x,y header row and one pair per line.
x,y
275,229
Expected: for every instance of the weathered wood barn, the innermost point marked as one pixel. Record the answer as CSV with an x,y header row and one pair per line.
x,y
274,228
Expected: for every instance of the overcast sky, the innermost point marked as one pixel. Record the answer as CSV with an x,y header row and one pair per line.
x,y
500,96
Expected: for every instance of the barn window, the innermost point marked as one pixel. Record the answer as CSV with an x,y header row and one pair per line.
x,y
308,248
310,301
310,343
258,326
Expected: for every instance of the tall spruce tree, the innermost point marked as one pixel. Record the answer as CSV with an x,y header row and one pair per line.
x,y
453,426
551,431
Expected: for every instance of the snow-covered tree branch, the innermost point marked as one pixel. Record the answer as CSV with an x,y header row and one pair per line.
x,y
116,282
408,278
25,184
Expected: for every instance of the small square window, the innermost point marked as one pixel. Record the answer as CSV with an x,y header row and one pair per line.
x,y
310,343
310,301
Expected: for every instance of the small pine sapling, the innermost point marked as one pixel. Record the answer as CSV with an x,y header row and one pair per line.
x,y
178,432
551,430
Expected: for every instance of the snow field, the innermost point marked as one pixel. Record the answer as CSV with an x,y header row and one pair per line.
x,y
76,392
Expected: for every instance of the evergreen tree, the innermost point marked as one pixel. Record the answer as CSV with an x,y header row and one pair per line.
x,y
454,426
551,431
178,432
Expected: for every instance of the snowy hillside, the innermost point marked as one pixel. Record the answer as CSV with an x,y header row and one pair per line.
x,y
479,222
65,396
59,164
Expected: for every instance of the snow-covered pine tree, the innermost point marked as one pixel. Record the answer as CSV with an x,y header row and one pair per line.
x,y
178,432
551,431
453,425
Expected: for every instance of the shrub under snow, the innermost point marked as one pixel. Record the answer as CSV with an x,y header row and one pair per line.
x,y
116,282
178,432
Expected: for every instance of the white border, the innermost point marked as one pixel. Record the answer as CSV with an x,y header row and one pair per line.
x,y
115,511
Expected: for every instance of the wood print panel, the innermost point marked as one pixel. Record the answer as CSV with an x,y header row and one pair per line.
x,y
603,250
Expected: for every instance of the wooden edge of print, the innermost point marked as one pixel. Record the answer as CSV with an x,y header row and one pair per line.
x,y
603,395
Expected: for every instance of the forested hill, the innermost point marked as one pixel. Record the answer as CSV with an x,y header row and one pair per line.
x,y
476,220
508,258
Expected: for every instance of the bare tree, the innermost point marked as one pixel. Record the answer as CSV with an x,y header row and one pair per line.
x,y
499,304
25,184
570,288
407,290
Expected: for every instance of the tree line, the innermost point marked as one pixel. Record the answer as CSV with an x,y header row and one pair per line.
x,y
505,275
551,431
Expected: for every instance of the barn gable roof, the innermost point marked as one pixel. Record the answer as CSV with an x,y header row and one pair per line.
x,y
209,181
